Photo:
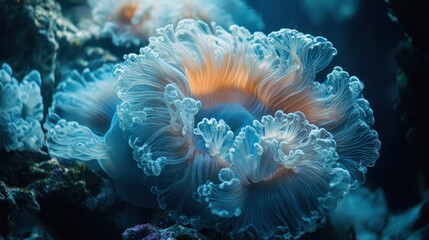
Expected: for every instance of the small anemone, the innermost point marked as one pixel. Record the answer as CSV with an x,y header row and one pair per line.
x,y
21,110
132,22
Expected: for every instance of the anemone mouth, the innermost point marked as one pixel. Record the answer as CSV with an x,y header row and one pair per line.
x,y
234,75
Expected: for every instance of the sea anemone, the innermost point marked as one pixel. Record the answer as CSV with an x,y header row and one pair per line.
x,y
132,22
231,128
21,110
82,125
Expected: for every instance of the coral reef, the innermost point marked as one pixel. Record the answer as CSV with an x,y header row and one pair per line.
x,y
91,57
149,232
57,190
142,231
35,21
77,184
231,134
41,23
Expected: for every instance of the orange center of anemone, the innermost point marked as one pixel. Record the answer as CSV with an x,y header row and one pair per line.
x,y
128,12
237,78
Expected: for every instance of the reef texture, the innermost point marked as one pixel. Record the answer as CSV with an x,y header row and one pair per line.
x,y
12,199
45,186
149,232
39,22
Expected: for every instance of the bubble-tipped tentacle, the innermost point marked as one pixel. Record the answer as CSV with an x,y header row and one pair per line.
x,y
82,124
80,115
285,166
21,110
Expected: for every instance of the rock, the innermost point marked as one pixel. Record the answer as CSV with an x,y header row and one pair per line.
x,y
12,199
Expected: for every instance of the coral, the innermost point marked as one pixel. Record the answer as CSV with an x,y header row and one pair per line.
x,y
90,57
82,125
35,20
149,232
132,22
231,129
142,231
180,232
64,191
21,111
77,184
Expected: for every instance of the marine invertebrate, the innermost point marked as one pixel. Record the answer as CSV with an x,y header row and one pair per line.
x,y
21,111
236,122
82,125
131,22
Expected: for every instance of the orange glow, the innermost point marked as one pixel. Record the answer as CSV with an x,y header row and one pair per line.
x,y
128,12
241,79
229,80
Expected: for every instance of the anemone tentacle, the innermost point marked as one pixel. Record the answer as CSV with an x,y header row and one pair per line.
x,y
21,111
81,112
297,163
82,124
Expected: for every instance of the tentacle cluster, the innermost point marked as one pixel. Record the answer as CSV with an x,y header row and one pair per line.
x,y
232,130
21,110
82,110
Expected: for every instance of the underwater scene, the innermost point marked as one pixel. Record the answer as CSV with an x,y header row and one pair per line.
x,y
213,119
